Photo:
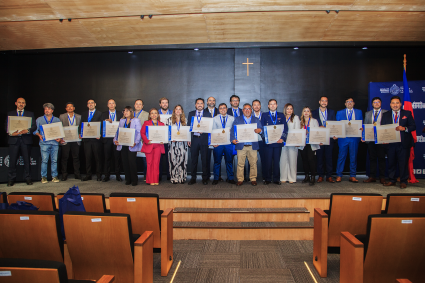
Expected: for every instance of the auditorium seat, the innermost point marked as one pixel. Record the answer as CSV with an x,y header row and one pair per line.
x,y
393,247
405,203
403,281
146,216
100,243
92,202
347,212
3,197
44,201
15,270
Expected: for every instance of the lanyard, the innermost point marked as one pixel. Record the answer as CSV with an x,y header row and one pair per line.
x,y
153,123
73,119
166,113
271,117
112,116
125,123
308,125
236,113
349,116
178,126
259,116
199,117
398,117
137,115
91,114
22,113
287,120
374,121
225,122
325,116
246,122
51,120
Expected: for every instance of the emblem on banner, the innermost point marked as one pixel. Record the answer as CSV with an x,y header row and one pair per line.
x,y
6,161
394,90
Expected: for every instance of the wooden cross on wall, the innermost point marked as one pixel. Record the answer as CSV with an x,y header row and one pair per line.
x,y
247,66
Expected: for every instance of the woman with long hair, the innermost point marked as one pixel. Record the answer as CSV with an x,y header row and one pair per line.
x,y
177,150
288,158
152,151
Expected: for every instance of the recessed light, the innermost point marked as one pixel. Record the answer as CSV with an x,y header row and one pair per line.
x,y
130,52
196,49
364,48
296,48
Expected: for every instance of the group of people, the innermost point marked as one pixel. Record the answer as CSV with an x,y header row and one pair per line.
x,y
279,162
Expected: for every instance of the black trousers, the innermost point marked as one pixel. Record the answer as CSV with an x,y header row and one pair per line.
x,y
309,160
92,149
196,149
129,164
162,162
15,150
112,155
74,148
324,154
271,163
397,153
376,151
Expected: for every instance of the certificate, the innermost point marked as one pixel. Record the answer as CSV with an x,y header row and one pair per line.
x,y
273,133
164,117
336,128
387,134
219,137
52,131
204,126
352,128
318,136
90,130
110,129
245,133
18,123
158,134
126,136
71,134
182,135
296,138
368,133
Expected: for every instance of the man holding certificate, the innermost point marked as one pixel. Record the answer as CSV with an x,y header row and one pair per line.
x,y
244,134
48,148
348,144
20,141
399,151
165,113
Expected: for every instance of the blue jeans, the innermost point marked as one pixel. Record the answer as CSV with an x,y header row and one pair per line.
x,y
228,157
46,151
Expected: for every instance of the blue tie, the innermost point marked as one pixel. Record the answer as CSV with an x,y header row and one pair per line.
x,y
235,113
91,115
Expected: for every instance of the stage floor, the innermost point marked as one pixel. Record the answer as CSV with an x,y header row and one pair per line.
x,y
222,190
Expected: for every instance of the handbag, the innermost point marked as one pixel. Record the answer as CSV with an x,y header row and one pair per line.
x,y
71,201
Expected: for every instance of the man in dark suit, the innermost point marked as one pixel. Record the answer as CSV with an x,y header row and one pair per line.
x,y
234,111
214,112
92,146
272,151
20,142
199,142
323,114
399,151
112,155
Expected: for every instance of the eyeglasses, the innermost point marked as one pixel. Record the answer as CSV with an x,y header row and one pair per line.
x,y
376,102
247,109
349,101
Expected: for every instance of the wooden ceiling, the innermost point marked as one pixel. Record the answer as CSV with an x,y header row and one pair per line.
x,y
34,24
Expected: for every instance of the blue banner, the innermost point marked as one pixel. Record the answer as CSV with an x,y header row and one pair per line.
x,y
147,132
82,127
42,132
385,91
104,129
191,123
265,134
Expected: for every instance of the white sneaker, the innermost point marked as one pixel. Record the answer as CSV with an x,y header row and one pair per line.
x,y
55,180
44,180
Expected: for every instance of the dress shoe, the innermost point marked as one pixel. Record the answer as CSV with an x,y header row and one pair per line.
x,y
239,183
338,179
28,181
403,185
320,179
87,177
266,182
205,182
353,180
118,178
106,179
306,179
168,178
231,182
220,179
64,177
215,182
10,183
277,183
370,180
192,181
330,180
398,179
312,180
387,184
77,176
128,183
99,178
382,180
254,183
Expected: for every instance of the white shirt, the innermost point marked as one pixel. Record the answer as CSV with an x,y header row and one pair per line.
x,y
348,111
258,116
398,117
115,115
378,119
321,114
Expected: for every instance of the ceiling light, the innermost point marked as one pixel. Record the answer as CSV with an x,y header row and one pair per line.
x,y
69,20
130,52
196,49
296,48
364,48
150,16
60,20
328,11
142,16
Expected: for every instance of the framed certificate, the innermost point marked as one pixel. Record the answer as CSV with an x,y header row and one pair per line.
x,y
296,138
273,133
110,129
164,117
182,135
336,128
90,130
52,131
352,128
126,136
204,126
318,136
219,137
245,133
71,134
368,133
18,123
387,134
158,134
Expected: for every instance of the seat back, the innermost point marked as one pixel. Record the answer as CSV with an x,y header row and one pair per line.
x,y
349,212
394,248
34,271
405,203
30,235
3,197
44,201
144,212
92,202
100,243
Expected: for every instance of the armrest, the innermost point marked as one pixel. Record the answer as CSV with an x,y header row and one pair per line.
x,y
403,281
142,240
106,279
320,242
143,258
67,261
166,241
351,259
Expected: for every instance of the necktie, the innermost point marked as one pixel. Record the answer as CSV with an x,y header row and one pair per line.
x,y
91,115
273,115
235,113
396,116
20,113
376,115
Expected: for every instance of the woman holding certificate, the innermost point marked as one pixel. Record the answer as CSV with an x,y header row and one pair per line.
x,y
288,158
308,154
152,151
128,141
177,150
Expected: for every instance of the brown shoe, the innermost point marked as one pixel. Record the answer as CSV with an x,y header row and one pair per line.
x,y
403,186
370,180
382,180
338,179
330,180
387,184
239,183
353,180
398,179
254,183
320,180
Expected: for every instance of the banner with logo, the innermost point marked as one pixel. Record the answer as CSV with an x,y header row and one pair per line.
x,y
20,175
417,95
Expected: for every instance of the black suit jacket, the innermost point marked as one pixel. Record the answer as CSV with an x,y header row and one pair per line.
x,y
96,118
215,111
105,115
405,120
27,138
204,136
230,111
316,115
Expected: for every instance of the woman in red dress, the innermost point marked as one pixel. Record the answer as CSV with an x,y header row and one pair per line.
x,y
152,151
